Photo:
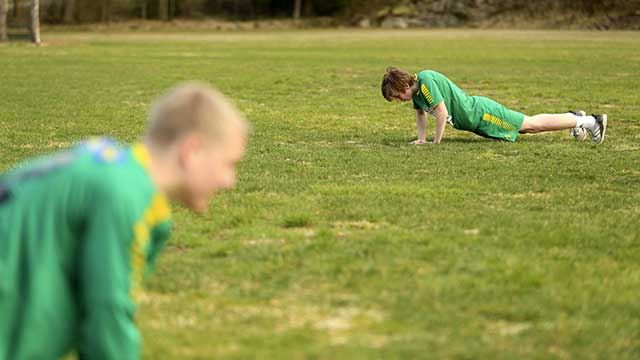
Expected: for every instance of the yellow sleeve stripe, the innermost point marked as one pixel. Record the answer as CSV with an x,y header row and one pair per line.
x,y
426,93
158,212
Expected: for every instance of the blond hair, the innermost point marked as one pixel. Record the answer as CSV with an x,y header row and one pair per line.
x,y
395,81
193,108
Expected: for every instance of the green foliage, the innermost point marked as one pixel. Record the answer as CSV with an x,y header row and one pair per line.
x,y
108,10
344,242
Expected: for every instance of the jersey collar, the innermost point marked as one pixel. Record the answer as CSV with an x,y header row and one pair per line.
x,y
141,155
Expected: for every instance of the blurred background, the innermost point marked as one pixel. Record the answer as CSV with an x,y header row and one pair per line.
x,y
243,14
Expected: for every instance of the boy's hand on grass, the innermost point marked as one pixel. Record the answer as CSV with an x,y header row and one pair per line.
x,y
419,142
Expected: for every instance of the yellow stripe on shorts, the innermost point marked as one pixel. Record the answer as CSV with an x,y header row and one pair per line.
x,y
498,122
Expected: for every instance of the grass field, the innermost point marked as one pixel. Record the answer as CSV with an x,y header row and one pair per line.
x,y
342,241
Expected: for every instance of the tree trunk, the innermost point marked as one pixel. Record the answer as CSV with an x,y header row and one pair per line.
x,y
297,8
307,8
106,11
163,10
15,9
35,21
3,20
69,11
143,9
187,9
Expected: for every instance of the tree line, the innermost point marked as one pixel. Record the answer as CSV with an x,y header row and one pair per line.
x,y
22,13
83,11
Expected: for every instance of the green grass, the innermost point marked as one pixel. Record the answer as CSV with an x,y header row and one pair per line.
x,y
344,242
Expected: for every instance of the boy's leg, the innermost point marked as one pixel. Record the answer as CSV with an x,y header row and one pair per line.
x,y
549,122
596,125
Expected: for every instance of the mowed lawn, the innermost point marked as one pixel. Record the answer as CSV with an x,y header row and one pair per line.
x,y
342,241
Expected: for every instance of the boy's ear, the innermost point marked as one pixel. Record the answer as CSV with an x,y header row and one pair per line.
x,y
188,148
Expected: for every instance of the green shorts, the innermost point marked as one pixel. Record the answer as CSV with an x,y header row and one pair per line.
x,y
496,121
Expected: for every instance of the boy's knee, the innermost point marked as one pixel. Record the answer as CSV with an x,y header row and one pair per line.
x,y
529,125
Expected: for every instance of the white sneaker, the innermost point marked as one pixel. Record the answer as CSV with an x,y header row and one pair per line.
x,y
580,134
597,133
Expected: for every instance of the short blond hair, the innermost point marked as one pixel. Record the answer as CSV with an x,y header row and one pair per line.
x,y
193,108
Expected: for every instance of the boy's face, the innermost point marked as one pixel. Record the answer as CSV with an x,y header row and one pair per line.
x,y
406,95
209,168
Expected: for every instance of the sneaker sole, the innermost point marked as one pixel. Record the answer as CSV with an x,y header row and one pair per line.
x,y
604,127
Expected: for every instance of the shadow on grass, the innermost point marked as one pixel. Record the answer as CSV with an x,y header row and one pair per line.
x,y
399,142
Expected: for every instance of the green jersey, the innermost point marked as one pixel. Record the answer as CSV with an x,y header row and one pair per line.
x,y
477,114
434,88
78,230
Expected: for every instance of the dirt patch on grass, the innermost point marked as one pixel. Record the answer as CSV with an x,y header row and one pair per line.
x,y
357,225
508,328
264,241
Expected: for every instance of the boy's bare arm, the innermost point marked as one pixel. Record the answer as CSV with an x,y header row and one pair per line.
x,y
421,127
441,114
